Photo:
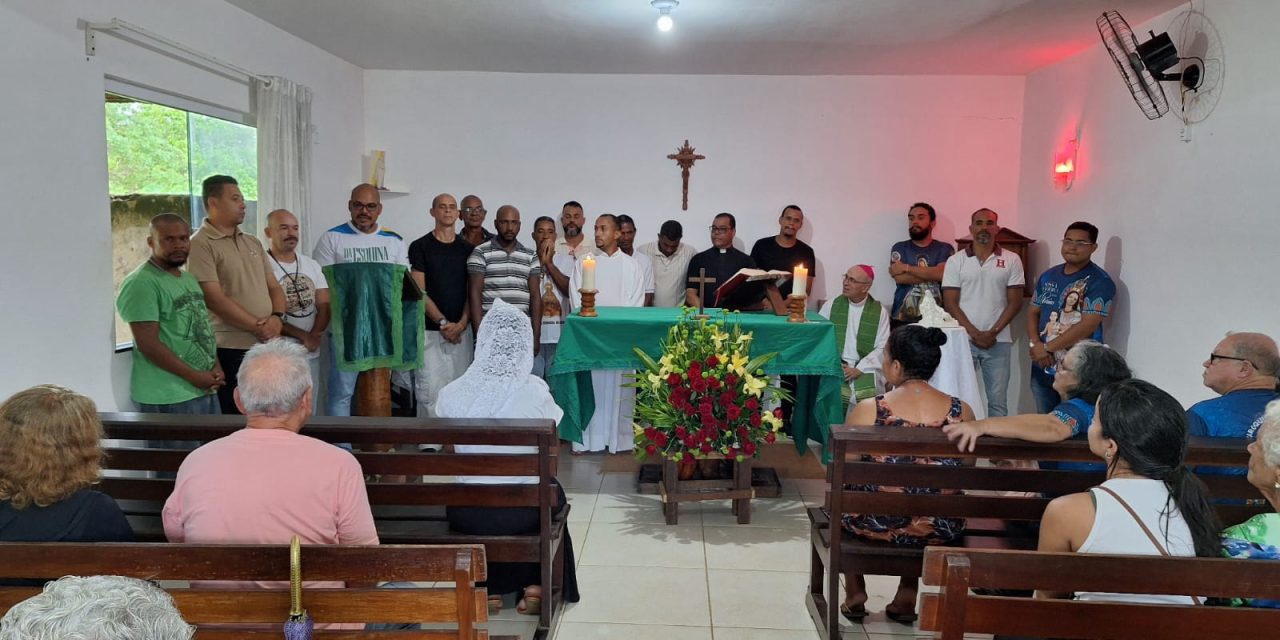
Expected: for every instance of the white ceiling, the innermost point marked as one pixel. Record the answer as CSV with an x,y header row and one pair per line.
x,y
782,37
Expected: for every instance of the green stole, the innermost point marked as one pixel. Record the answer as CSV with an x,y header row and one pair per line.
x,y
865,386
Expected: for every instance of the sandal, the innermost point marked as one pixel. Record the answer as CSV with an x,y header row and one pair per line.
x,y
853,614
908,618
495,604
530,604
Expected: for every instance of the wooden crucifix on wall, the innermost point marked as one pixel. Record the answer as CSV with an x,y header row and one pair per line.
x,y
685,157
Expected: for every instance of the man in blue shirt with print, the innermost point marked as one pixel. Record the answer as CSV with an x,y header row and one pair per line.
x,y
1069,304
1242,371
917,265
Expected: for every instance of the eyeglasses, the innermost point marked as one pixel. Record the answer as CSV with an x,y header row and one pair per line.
x,y
472,210
367,206
1218,356
715,229
858,282
1075,243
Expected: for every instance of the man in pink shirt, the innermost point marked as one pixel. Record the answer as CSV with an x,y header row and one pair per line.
x,y
266,483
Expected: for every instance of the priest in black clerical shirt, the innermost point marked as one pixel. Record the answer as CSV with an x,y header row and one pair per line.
x,y
721,261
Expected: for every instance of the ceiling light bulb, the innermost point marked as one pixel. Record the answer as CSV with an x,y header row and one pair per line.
x,y
665,23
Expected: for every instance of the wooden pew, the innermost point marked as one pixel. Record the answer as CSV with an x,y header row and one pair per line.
x,y
994,519
955,610
410,513
459,605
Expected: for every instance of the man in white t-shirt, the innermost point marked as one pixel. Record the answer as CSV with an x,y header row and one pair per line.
x,y
555,303
982,288
627,243
306,292
358,240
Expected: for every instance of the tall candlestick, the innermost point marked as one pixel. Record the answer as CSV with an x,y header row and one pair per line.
x,y
801,277
589,273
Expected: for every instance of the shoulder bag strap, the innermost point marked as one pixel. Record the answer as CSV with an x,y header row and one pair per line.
x,y
1150,536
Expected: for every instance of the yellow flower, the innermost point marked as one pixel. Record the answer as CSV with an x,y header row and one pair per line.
x,y
753,386
655,381
744,338
637,428
738,363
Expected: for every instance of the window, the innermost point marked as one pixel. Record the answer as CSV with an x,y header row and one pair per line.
x,y
157,158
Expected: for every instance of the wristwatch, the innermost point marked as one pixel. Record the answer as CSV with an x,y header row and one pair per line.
x,y
278,314
443,322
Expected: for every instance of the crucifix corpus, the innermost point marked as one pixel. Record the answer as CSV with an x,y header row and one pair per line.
x,y
685,157
702,281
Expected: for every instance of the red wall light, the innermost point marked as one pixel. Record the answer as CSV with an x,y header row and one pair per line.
x,y
1064,166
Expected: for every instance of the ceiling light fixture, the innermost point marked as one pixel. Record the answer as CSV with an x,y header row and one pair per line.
x,y
664,8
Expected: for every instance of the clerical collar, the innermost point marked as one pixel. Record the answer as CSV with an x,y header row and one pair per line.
x,y
724,251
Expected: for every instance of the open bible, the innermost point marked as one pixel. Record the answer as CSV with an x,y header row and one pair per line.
x,y
747,275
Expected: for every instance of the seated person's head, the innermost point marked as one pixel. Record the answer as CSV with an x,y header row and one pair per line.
x,y
1140,430
913,353
97,608
1264,455
275,382
1087,369
1242,361
504,345
50,445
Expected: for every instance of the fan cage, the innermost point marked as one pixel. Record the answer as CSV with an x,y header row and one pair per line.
x,y
1123,47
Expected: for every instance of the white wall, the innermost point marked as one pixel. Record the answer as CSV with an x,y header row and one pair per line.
x,y
853,152
56,284
1187,229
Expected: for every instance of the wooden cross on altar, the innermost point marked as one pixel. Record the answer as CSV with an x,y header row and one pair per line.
x,y
685,157
702,281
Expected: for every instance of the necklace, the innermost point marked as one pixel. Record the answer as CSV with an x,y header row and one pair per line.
x,y
916,386
293,287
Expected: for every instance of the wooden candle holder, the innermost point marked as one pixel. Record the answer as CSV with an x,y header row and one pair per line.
x,y
795,304
588,309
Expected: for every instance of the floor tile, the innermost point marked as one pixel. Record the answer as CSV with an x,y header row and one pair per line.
x,y
582,476
619,483
757,548
634,508
758,599
644,545
739,633
787,512
581,505
639,595
602,631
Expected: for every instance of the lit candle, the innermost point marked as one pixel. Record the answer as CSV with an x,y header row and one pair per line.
x,y
801,277
589,273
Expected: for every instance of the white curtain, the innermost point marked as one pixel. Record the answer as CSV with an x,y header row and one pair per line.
x,y
284,151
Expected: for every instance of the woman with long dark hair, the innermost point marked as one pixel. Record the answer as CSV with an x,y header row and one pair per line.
x,y
1150,504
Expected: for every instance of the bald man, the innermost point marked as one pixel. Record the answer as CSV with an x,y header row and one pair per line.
x,y
439,263
862,330
306,292
1241,369
360,239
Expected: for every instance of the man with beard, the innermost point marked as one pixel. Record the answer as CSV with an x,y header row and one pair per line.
x,y
233,271
439,261
504,268
982,289
627,244
917,264
306,292
670,259
473,213
572,220
175,360
785,251
359,240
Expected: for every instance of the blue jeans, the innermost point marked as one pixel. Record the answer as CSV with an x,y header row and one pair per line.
x,y
341,388
993,363
1042,390
545,358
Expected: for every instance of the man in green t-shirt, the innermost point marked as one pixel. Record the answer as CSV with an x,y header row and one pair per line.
x,y
175,364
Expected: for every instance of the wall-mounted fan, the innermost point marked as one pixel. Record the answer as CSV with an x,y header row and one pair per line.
x,y
1199,42
1144,65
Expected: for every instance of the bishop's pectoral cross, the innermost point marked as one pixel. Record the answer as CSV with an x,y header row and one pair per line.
x,y
685,157
702,281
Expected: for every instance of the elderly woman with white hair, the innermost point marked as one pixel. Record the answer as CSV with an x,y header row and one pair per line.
x,y
1259,536
107,607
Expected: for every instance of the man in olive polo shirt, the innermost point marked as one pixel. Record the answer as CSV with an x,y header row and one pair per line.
x,y
245,302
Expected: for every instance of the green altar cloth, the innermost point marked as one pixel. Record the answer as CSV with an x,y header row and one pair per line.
x,y
807,350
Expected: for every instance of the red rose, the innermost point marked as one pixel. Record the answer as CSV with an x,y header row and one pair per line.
x,y
699,384
681,433
770,438
688,457
727,398
744,435
731,380
712,361
777,413
661,439
752,404
749,449
755,419
690,442
732,412
707,448
689,409
695,368
673,379
708,420
650,449
650,433
714,383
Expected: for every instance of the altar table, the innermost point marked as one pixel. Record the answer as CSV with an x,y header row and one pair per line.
x,y
807,350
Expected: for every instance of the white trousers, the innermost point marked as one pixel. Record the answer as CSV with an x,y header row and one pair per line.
x,y
442,363
610,426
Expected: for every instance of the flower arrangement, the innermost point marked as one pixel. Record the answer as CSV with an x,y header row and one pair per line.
x,y
705,395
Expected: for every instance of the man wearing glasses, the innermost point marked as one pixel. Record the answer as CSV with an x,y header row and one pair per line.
x,y
473,212
862,329
721,261
1242,371
1069,304
360,239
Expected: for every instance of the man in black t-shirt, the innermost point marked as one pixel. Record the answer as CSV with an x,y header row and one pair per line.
x,y
721,261
785,251
439,266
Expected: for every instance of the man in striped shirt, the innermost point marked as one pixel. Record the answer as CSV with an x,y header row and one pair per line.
x,y
504,268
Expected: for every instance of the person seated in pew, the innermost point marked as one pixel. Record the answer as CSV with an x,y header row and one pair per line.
x,y
910,357
500,384
50,456
1087,369
99,607
1150,504
1242,370
1259,536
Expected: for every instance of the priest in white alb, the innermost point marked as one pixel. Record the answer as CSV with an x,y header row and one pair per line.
x,y
862,329
619,281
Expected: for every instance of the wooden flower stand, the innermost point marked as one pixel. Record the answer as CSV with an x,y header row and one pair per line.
x,y
737,488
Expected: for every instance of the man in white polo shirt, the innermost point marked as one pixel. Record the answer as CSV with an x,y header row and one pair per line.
x,y
982,287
